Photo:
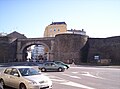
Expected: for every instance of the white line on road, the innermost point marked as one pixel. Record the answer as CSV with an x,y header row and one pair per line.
x,y
77,85
101,68
60,80
75,72
72,76
90,75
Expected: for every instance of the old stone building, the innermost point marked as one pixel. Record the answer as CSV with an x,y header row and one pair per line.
x,y
65,47
8,46
7,49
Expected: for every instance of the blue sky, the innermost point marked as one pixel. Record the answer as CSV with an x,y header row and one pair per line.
x,y
99,18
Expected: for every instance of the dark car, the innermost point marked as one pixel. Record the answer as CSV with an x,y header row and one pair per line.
x,y
62,63
51,66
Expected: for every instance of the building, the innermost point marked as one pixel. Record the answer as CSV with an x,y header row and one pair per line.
x,y
55,28
8,46
3,34
37,51
63,47
74,31
60,27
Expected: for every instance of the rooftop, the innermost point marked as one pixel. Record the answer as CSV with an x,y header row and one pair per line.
x,y
56,23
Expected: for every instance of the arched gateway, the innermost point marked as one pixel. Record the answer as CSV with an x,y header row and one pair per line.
x,y
23,44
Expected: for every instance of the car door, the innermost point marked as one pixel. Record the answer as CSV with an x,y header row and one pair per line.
x,y
6,76
14,78
54,66
47,66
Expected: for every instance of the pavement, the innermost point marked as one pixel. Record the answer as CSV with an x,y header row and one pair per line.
x,y
71,65
96,66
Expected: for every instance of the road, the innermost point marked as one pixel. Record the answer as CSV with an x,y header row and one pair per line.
x,y
84,77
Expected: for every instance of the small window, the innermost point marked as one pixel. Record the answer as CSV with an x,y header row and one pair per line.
x,y
47,64
54,29
50,30
14,71
7,71
58,30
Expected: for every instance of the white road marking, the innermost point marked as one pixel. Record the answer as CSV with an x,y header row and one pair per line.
x,y
60,80
90,75
75,72
77,85
72,76
100,68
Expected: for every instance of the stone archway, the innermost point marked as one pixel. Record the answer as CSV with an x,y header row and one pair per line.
x,y
21,53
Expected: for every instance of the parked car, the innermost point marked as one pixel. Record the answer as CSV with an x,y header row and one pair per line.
x,y
51,66
62,63
24,77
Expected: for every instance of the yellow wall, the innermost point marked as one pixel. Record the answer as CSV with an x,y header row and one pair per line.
x,y
52,30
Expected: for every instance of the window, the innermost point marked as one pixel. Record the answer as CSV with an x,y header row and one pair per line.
x,y
58,30
54,29
28,71
14,71
7,71
47,64
50,30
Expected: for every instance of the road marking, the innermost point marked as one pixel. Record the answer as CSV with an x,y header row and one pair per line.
x,y
90,75
72,76
75,72
68,83
62,81
96,67
77,85
58,80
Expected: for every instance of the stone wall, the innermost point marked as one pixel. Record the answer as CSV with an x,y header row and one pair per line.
x,y
4,47
7,50
68,46
105,48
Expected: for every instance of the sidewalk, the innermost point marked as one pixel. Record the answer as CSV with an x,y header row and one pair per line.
x,y
97,66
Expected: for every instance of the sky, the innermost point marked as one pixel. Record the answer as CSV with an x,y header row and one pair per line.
x,y
99,18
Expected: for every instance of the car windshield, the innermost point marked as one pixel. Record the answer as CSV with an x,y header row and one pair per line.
x,y
28,71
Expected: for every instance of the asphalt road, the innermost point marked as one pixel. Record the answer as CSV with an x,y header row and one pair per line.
x,y
86,77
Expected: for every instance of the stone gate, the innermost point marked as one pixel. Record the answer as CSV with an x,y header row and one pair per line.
x,y
23,43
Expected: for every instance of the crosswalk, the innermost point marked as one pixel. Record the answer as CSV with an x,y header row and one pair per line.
x,y
68,82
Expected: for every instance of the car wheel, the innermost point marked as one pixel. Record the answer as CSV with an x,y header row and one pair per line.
x,y
60,69
2,84
43,69
22,86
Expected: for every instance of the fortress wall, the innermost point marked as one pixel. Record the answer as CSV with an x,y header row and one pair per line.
x,y
68,47
106,48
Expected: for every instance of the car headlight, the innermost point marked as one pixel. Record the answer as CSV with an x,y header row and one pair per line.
x,y
31,82
65,67
43,82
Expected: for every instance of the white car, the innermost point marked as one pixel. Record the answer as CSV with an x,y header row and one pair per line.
x,y
24,77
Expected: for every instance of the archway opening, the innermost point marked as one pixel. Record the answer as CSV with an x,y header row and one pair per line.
x,y
36,53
